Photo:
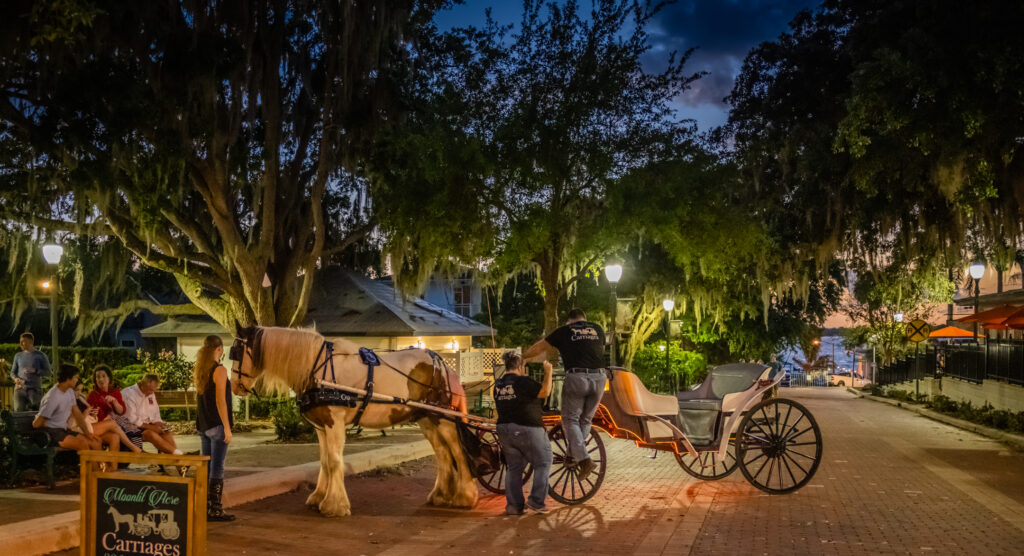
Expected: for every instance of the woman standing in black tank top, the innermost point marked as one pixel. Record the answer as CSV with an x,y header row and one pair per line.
x,y
214,419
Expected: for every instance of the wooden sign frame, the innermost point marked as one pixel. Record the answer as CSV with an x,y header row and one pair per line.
x,y
91,473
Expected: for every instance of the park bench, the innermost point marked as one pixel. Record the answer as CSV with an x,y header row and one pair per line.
x,y
23,441
177,399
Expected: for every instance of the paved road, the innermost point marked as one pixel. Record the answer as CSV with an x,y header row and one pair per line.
x,y
891,482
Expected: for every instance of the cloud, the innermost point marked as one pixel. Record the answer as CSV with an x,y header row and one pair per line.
x,y
724,32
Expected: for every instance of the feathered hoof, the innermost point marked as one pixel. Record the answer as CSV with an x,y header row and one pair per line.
x,y
466,499
335,509
314,499
437,498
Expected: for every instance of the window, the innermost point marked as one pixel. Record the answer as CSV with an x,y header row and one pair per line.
x,y
127,343
463,295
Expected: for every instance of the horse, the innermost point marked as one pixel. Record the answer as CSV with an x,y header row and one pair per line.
x,y
278,359
119,518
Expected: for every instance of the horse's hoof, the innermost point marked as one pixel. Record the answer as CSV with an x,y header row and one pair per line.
x,y
437,499
314,499
334,510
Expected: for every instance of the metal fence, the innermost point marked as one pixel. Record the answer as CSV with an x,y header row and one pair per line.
x,y
996,360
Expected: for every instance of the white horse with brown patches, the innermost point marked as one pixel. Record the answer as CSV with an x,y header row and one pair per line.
x,y
279,359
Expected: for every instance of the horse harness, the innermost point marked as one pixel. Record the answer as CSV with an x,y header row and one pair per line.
x,y
315,396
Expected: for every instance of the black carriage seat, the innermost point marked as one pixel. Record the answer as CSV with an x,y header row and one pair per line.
x,y
700,408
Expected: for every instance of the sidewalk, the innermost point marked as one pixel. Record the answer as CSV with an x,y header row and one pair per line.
x,y
37,521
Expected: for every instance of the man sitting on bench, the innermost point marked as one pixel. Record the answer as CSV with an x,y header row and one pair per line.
x,y
58,405
143,411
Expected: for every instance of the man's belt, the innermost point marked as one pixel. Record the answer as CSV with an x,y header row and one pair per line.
x,y
583,370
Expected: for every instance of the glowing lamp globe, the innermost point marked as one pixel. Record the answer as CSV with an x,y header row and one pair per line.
x,y
977,271
668,304
898,317
613,272
52,253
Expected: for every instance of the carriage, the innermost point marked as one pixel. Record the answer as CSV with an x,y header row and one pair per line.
x,y
731,420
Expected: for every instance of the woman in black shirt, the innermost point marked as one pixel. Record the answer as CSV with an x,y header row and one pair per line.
x,y
517,398
214,419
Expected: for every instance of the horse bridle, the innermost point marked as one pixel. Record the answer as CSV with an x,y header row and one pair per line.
x,y
239,348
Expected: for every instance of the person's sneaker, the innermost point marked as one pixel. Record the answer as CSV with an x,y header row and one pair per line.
x,y
513,512
532,510
585,467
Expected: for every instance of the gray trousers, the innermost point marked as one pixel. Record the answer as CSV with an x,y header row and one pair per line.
x,y
27,399
581,394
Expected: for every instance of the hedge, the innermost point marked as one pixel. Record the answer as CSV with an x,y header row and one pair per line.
x,y
84,357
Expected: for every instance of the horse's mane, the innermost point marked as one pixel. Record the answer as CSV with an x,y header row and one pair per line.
x,y
286,357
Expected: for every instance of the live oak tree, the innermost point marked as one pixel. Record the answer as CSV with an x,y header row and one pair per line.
x,y
523,135
219,142
889,129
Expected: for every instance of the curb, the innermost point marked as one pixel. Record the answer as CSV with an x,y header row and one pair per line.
x,y
53,533
1014,441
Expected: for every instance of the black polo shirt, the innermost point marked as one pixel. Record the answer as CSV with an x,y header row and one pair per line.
x,y
581,345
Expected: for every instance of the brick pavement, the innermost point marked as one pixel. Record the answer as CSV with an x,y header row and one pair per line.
x,y
890,482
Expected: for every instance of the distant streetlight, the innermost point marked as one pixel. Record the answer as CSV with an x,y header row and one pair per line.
x,y
668,305
53,253
977,271
614,273
898,317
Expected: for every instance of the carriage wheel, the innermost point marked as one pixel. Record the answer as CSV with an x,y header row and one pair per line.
x,y
565,484
495,482
706,466
779,446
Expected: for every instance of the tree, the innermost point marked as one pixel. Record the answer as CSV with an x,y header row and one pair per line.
x,y
887,129
216,142
524,134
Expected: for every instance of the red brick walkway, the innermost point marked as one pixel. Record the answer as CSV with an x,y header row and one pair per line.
x,y
891,482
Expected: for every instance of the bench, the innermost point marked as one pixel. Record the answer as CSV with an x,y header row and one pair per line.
x,y
177,399
22,440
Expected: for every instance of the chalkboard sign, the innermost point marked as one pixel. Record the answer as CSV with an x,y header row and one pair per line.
x,y
141,516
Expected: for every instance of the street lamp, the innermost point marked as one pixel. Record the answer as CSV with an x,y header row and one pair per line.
x,y
898,317
53,253
614,273
977,271
668,305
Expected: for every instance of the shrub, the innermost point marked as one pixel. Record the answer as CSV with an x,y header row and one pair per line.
x,y
689,367
289,423
174,370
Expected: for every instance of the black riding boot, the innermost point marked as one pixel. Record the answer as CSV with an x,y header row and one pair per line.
x,y
214,509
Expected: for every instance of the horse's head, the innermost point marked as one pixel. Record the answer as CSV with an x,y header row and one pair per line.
x,y
242,356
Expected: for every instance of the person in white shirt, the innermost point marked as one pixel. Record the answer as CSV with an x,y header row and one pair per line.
x,y
142,410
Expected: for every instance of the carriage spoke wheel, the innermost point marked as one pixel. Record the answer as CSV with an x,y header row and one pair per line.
x,y
779,446
495,481
707,466
565,484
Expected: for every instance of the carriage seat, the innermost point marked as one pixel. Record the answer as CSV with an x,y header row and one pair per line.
x,y
722,380
635,399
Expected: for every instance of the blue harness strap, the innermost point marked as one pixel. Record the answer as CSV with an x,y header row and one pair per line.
x,y
371,360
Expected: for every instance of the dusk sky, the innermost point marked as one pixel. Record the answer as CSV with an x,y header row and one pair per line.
x,y
723,31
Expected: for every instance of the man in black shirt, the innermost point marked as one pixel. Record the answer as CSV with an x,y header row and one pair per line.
x,y
581,344
517,398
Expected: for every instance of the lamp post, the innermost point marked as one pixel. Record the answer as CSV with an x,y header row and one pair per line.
x,y
668,305
614,273
53,253
977,271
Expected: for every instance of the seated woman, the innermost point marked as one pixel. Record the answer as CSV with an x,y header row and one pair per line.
x,y
106,428
106,398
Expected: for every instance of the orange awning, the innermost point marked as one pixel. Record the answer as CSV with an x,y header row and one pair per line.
x,y
952,332
995,318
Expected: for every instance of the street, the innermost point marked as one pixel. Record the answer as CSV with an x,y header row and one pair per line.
x,y
890,482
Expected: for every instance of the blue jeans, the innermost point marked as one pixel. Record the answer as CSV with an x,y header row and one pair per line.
x,y
522,445
27,399
215,447
580,396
